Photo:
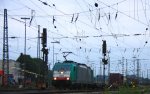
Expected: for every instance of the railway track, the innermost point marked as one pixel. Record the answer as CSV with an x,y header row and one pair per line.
x,y
46,91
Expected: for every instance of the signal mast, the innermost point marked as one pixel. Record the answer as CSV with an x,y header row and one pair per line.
x,y
104,60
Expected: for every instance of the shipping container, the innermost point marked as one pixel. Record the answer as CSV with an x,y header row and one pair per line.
x,y
115,79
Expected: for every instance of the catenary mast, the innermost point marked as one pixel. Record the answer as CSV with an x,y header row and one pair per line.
x,y
5,63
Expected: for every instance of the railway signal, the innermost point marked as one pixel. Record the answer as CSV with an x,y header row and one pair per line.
x,y
104,48
44,37
104,51
105,61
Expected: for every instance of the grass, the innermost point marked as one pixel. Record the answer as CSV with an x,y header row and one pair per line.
x,y
129,90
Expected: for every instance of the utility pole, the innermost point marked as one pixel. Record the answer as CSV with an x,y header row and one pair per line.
x,y
56,56
24,18
5,63
122,66
148,73
100,68
134,59
148,76
38,42
123,69
138,70
108,64
53,50
126,68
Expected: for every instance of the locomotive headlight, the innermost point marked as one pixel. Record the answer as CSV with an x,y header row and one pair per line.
x,y
55,78
61,72
68,78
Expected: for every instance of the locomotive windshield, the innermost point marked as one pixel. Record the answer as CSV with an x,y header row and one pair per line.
x,y
62,67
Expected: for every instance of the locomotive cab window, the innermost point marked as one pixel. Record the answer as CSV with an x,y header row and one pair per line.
x,y
63,67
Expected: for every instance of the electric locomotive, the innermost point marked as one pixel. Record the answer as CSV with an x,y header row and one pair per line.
x,y
69,74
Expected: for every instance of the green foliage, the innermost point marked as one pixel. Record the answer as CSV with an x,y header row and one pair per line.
x,y
126,90
41,67
129,90
32,65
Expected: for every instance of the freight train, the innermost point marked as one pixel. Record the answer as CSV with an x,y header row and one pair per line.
x,y
69,74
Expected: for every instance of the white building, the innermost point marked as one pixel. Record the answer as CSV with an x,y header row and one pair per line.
x,y
14,69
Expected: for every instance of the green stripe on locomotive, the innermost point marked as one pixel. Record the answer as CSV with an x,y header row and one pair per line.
x,y
73,73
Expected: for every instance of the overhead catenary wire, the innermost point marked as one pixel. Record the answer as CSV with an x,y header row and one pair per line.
x,y
124,14
58,33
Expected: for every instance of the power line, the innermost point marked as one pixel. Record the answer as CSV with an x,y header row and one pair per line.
x,y
124,13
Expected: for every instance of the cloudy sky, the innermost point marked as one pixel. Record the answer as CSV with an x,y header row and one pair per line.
x,y
80,26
